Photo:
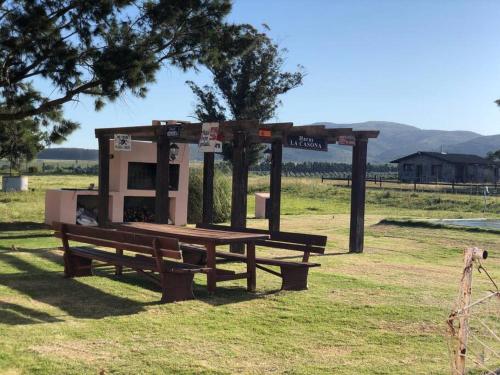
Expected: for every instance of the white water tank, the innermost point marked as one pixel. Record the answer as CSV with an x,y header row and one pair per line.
x,y
14,183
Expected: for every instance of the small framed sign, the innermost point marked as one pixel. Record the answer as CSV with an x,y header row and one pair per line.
x,y
347,140
307,143
173,130
210,140
123,142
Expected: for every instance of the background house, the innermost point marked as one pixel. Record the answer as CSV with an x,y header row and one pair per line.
x,y
425,166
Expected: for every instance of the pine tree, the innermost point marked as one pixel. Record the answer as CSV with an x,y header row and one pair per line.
x,y
246,84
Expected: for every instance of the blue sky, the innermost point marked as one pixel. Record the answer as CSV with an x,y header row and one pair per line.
x,y
432,64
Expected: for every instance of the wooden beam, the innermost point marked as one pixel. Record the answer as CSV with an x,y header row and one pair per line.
x,y
103,199
357,229
162,201
208,188
275,185
239,187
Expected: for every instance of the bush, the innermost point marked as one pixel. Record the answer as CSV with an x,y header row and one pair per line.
x,y
222,196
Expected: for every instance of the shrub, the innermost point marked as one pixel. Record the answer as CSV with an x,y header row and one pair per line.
x,y
222,196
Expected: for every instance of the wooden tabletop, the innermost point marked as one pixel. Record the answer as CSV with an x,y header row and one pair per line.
x,y
193,235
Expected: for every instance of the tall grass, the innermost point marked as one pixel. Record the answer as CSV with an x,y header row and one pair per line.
x,y
222,196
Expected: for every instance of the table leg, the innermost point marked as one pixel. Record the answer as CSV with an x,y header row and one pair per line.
x,y
211,275
251,268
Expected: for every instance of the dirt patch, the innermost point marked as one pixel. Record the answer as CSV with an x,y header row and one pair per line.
x,y
89,352
329,353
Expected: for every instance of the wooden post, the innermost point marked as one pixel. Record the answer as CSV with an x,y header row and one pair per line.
x,y
275,185
208,188
357,230
162,201
251,274
103,203
470,255
239,188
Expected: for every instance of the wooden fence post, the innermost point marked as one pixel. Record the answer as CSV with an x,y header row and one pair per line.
x,y
275,185
239,187
208,188
103,203
358,192
162,200
470,254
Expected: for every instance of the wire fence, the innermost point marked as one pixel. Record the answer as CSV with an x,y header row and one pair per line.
x,y
474,323
439,187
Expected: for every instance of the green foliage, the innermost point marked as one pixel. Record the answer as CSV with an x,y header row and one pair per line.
x,y
493,155
222,197
246,84
99,48
22,140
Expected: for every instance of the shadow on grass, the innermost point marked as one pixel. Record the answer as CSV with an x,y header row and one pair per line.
x,y
224,295
75,298
13,314
80,300
25,236
227,295
22,226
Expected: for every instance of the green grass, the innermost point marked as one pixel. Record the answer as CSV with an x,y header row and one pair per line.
x,y
380,312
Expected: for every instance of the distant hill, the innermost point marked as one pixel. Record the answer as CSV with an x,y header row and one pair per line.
x,y
395,140
478,146
62,153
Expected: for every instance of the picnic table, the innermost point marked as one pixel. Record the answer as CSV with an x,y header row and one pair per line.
x,y
210,239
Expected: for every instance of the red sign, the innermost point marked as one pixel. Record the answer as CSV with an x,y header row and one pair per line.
x,y
265,133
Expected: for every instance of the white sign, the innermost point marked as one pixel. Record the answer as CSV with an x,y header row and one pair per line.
x,y
123,142
347,140
210,140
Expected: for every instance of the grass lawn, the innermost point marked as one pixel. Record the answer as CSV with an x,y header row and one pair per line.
x,y
380,312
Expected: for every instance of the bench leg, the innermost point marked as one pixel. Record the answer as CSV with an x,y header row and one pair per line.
x,y
119,269
176,287
75,266
294,278
193,257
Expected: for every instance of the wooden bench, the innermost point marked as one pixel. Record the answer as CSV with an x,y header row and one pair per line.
x,y
175,278
293,274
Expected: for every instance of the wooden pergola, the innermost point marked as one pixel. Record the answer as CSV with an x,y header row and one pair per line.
x,y
241,134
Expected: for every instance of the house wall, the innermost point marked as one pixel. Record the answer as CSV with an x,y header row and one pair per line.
x,y
448,171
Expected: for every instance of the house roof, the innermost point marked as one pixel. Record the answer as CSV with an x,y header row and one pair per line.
x,y
450,158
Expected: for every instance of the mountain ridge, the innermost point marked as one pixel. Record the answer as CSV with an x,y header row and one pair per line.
x,y
395,140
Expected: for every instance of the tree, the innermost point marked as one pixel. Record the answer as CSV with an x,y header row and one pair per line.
x,y
19,140
22,140
99,48
493,155
246,84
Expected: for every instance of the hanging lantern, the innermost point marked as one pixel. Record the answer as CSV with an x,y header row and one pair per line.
x,y
268,154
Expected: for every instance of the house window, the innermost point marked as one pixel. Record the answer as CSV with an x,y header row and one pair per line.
x,y
436,170
408,167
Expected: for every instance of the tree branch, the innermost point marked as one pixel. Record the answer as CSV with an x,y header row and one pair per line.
x,y
46,106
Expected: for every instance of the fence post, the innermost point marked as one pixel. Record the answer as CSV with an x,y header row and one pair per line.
x,y
415,185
